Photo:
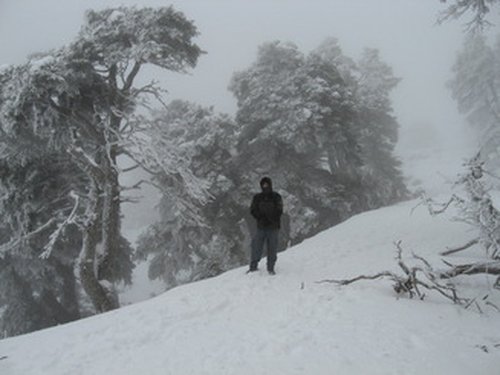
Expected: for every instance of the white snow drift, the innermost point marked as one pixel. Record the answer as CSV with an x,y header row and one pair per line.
x,y
289,324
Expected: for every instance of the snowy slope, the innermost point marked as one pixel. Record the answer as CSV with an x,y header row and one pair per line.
x,y
286,324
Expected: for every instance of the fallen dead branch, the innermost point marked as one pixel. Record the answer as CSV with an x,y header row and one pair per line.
x,y
461,248
415,279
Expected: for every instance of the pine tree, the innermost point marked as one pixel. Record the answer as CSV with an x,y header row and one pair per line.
x,y
476,89
36,292
479,9
299,121
193,240
379,130
79,103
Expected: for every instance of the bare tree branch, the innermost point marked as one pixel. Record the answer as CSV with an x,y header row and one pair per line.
x,y
357,278
4,248
461,248
479,8
86,163
138,185
414,278
130,78
60,228
130,169
489,268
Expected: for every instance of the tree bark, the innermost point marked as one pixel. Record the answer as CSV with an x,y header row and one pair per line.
x,y
110,227
111,220
490,268
98,294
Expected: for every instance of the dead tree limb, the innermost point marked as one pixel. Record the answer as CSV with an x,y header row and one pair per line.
x,y
461,248
489,268
413,280
358,278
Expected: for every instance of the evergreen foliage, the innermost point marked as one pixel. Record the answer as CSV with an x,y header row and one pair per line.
x,y
319,124
66,117
193,240
476,89
479,9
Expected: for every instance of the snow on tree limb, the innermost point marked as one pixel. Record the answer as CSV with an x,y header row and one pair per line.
x,y
9,246
122,36
487,268
473,242
479,9
359,278
477,210
71,219
77,101
416,277
86,162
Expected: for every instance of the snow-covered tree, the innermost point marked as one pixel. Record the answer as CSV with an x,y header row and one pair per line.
x,y
36,292
379,129
299,121
79,102
304,113
193,241
476,89
479,9
292,109
476,208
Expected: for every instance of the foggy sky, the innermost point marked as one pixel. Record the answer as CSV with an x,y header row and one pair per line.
x,y
231,30
405,32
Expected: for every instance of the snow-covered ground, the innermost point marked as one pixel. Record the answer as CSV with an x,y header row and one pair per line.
x,y
288,323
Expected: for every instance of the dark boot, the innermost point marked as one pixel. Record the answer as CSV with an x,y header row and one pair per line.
x,y
270,269
253,267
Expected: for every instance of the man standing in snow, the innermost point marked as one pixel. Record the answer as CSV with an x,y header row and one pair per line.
x,y
266,208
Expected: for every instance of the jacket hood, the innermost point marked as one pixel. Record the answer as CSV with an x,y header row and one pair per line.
x,y
266,180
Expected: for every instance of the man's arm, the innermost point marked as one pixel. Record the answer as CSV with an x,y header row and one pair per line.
x,y
279,204
254,208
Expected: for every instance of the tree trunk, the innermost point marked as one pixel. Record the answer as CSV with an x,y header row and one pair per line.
x,y
111,221
69,298
110,228
98,294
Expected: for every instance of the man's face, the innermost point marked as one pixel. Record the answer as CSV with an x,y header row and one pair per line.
x,y
265,186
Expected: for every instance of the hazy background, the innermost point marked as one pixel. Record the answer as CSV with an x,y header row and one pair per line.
x,y
433,134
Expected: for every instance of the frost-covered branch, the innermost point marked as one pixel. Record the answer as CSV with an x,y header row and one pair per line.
x,y
151,89
164,157
487,268
188,191
130,169
130,78
473,242
134,199
359,278
436,208
476,209
479,9
415,278
86,162
71,219
9,246
138,184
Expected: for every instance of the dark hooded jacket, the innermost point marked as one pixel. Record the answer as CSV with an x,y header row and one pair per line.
x,y
267,207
